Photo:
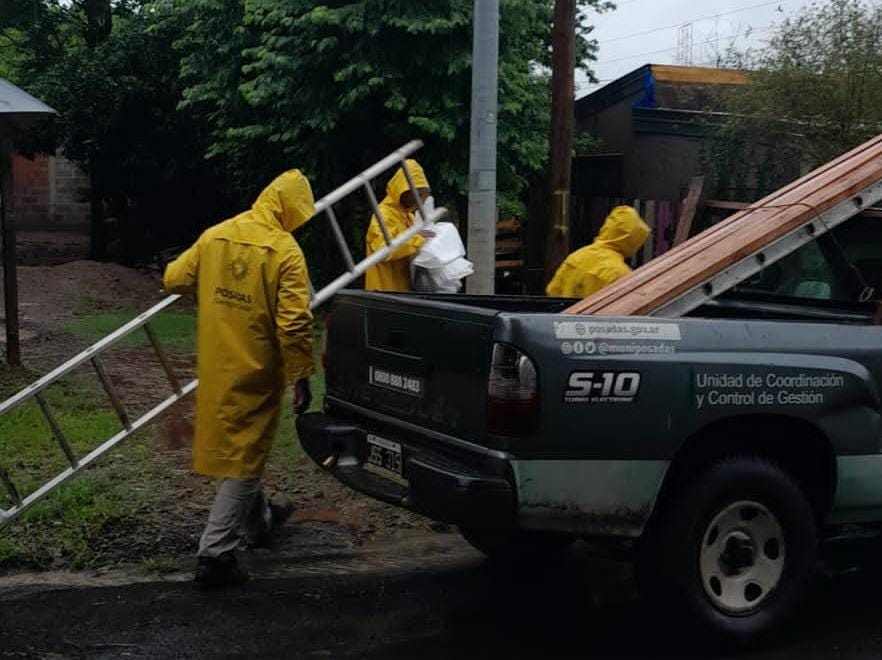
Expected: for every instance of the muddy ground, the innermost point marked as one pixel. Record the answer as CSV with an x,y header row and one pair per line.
x,y
50,299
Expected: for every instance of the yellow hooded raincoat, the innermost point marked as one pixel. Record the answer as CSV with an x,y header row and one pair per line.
x,y
255,328
592,267
393,274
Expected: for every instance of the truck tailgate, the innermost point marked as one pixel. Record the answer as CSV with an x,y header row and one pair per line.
x,y
420,361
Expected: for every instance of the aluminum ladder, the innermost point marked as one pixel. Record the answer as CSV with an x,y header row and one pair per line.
x,y
92,355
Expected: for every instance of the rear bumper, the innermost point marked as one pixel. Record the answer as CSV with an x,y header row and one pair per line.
x,y
438,486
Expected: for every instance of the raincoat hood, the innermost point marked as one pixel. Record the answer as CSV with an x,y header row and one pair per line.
x,y
397,185
288,200
623,231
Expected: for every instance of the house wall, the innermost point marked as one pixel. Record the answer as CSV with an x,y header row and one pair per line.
x,y
661,150
661,166
654,166
49,194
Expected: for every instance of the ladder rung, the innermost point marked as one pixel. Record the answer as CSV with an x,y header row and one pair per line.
x,y
163,359
117,403
372,198
10,487
56,430
341,241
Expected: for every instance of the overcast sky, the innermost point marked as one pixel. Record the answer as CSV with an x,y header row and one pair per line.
x,y
642,32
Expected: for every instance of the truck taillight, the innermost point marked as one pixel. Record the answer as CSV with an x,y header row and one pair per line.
x,y
512,393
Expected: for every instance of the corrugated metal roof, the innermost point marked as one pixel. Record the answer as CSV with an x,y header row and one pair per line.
x,y
15,101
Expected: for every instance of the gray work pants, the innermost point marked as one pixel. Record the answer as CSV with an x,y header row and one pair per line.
x,y
240,511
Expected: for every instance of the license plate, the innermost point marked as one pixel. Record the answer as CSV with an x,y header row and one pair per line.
x,y
384,458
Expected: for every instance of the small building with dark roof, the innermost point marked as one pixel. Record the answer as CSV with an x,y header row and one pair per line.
x,y
650,126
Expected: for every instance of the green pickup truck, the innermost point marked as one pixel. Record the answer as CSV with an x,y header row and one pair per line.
x,y
717,449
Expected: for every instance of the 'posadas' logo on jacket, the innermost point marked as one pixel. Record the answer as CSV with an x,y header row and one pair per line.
x,y
229,295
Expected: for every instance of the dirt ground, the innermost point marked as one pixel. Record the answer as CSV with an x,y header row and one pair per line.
x,y
327,512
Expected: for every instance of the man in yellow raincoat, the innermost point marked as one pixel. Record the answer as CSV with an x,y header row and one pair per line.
x,y
592,267
397,208
255,336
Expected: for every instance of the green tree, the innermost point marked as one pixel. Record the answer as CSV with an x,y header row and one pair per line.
x,y
329,86
813,93
115,80
183,109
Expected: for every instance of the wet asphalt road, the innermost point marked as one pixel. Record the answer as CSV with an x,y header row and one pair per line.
x,y
427,599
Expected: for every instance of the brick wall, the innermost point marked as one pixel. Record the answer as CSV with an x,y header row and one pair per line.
x,y
49,194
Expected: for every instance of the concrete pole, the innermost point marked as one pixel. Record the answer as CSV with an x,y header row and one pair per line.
x,y
482,148
7,226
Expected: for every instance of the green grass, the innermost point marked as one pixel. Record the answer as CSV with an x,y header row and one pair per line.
x,y
67,523
176,331
160,565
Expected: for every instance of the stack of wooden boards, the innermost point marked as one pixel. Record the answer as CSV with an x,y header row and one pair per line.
x,y
697,260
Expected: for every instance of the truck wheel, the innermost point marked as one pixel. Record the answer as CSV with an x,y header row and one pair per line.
x,y
732,555
514,545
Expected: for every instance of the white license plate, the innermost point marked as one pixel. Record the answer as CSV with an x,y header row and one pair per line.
x,y
384,458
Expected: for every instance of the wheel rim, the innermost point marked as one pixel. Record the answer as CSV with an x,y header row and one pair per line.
x,y
742,557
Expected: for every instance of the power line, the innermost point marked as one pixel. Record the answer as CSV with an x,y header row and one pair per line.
x,y
694,20
668,50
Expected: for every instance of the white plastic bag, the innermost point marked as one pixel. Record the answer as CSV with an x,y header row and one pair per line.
x,y
439,266
457,269
445,246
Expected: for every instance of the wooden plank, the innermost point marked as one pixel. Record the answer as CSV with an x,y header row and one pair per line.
x,y
745,232
698,74
690,209
512,263
508,224
649,218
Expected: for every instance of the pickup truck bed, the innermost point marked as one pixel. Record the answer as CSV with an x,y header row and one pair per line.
x,y
519,423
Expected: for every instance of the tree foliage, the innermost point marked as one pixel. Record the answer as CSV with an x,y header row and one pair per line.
x,y
164,99
331,85
815,92
112,73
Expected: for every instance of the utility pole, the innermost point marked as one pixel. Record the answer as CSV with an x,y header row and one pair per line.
x,y
7,225
482,148
563,70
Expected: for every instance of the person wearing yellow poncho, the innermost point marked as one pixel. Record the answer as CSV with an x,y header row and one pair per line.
x,y
255,336
592,267
397,209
